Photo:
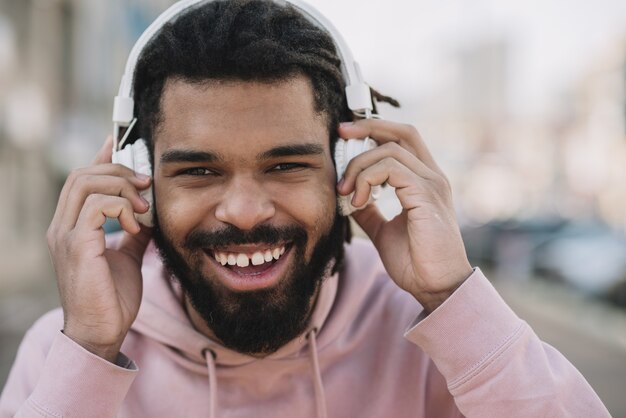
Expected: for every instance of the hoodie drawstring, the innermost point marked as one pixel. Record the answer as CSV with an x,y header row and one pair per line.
x,y
320,397
210,362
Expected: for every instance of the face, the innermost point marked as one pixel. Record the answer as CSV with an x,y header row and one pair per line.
x,y
245,206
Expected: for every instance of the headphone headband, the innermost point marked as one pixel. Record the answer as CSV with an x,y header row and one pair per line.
x,y
357,92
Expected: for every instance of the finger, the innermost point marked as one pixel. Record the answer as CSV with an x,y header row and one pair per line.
x,y
104,154
387,170
370,220
386,131
98,208
369,158
87,185
138,180
135,245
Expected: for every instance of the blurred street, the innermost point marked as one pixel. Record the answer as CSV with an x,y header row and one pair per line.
x,y
590,333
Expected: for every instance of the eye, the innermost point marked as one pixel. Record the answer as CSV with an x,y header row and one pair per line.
x,y
196,171
289,167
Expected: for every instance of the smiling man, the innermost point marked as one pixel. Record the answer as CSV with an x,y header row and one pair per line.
x,y
247,298
243,173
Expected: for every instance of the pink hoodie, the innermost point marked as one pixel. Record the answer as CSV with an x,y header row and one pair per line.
x,y
471,357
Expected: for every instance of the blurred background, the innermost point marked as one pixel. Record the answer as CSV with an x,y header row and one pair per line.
x,y
523,105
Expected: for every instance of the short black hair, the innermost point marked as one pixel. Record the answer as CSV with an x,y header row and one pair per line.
x,y
248,40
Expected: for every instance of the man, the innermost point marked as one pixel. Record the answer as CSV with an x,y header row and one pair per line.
x,y
247,302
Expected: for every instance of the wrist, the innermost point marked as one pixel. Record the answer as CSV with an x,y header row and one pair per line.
x,y
432,300
109,352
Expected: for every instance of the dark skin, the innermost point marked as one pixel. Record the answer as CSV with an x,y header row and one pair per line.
x,y
101,288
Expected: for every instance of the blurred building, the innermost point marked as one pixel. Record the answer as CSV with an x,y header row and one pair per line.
x,y
594,143
60,65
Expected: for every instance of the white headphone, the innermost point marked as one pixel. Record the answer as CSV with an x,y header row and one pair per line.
x,y
136,156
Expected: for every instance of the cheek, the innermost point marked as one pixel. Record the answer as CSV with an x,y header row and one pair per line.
x,y
311,205
179,211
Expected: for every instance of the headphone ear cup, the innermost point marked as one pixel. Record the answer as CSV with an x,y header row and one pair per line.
x,y
346,150
141,164
137,157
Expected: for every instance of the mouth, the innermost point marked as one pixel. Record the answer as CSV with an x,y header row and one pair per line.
x,y
250,267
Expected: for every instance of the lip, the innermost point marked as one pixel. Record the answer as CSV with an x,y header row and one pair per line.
x,y
247,249
256,281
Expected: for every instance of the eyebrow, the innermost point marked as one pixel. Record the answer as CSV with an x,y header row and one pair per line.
x,y
292,150
189,156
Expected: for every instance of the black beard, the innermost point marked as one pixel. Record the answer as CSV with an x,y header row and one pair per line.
x,y
254,322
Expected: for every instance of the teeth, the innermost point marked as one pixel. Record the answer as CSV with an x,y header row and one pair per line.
x,y
244,260
257,259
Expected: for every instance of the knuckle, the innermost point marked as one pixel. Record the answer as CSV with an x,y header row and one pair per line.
x,y
93,200
127,206
75,174
362,179
70,179
389,163
121,170
410,130
122,186
440,182
352,167
82,182
390,147
127,188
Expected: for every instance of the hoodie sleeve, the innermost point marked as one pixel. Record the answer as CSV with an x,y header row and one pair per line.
x,y
64,381
493,362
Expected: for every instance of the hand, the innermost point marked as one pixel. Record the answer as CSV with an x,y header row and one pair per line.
x,y
100,288
421,248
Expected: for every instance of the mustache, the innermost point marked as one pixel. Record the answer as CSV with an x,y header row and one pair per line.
x,y
231,235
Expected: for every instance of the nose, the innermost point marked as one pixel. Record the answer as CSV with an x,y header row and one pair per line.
x,y
245,204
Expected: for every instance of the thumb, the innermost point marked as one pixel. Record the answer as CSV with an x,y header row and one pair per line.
x,y
370,220
104,155
135,245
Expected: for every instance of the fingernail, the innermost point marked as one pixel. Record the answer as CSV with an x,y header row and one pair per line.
x,y
145,202
340,184
141,176
345,124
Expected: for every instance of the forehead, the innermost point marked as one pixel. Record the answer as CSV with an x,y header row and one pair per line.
x,y
227,115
